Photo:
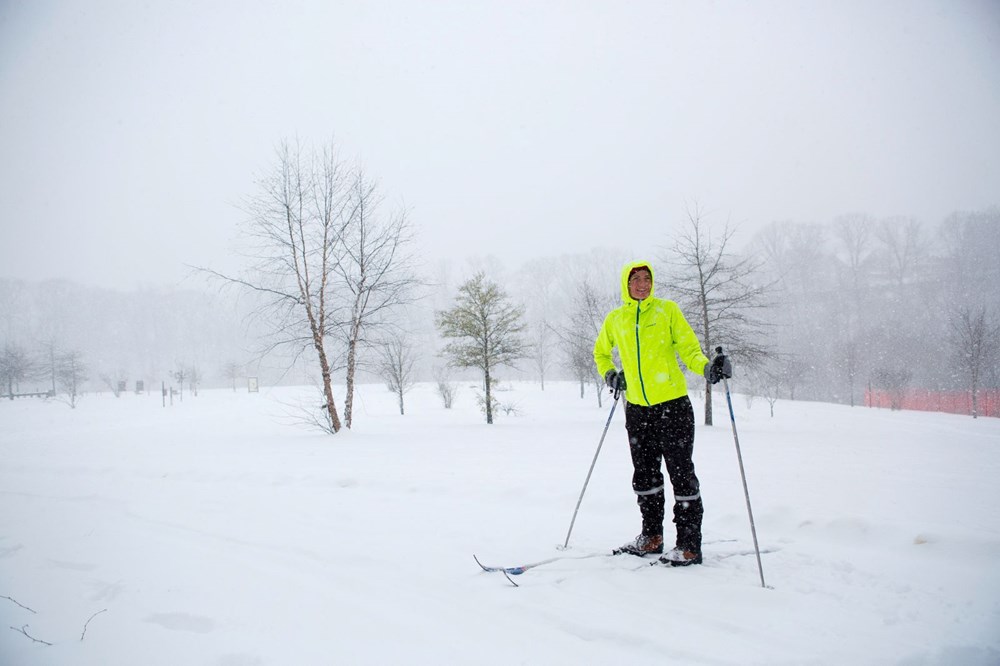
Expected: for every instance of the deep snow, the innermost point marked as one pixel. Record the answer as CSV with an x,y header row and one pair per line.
x,y
218,532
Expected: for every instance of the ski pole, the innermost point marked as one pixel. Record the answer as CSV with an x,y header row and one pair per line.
x,y
746,491
591,471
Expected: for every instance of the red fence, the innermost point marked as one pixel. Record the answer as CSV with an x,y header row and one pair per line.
x,y
925,400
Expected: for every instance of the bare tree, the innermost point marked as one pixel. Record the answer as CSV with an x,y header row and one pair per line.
x,y
485,329
588,307
855,257
579,354
395,365
180,375
787,369
541,341
855,253
535,284
792,254
71,374
113,381
894,381
900,237
796,270
296,228
232,371
445,387
194,379
975,340
765,381
848,353
971,244
16,366
722,292
375,267
773,243
47,361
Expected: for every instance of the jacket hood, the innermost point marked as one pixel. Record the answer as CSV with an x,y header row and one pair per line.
x,y
626,298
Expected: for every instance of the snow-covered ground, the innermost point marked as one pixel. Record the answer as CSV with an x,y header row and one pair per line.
x,y
213,532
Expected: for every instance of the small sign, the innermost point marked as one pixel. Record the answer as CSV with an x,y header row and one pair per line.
x,y
252,385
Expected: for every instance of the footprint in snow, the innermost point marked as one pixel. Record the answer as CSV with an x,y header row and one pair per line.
x,y
195,624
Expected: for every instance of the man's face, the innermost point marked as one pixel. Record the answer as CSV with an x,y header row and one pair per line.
x,y
640,284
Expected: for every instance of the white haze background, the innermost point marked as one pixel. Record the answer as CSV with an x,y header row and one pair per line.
x,y
215,532
131,131
212,533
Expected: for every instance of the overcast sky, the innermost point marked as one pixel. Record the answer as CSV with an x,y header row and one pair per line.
x,y
130,131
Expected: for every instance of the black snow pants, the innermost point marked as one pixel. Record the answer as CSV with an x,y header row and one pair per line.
x,y
665,431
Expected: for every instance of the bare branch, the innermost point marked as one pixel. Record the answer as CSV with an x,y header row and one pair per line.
x,y
19,604
24,630
292,224
87,623
721,292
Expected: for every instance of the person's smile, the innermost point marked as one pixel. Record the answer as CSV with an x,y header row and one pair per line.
x,y
639,285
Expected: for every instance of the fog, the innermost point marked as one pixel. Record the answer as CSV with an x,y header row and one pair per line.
x,y
849,310
132,132
545,143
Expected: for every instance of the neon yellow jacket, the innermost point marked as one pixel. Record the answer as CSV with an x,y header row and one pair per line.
x,y
650,335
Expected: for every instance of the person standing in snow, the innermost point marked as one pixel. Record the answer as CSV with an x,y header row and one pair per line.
x,y
650,333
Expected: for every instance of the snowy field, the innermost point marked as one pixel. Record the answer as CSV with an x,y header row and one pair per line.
x,y
214,532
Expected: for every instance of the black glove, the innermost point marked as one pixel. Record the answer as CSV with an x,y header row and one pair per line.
x,y
719,368
615,379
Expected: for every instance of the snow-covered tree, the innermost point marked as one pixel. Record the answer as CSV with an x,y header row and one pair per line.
x,y
485,331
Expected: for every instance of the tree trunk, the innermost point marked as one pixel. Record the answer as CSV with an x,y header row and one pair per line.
x,y
331,408
975,395
401,413
352,346
489,397
52,367
352,351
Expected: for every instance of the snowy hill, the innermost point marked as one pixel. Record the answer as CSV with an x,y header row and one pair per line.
x,y
215,532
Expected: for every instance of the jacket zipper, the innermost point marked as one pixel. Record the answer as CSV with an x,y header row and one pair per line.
x,y
638,352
